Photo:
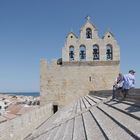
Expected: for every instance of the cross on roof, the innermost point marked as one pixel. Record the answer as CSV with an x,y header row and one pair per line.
x,y
88,17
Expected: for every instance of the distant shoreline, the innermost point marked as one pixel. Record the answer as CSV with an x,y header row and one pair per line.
x,y
35,94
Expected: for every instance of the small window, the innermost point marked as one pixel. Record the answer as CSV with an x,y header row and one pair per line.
x,y
71,53
95,52
89,78
109,53
82,52
88,33
55,108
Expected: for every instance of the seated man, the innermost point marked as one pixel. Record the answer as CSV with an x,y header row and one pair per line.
x,y
118,85
129,82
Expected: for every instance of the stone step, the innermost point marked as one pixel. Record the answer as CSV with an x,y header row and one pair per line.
x,y
92,130
83,107
130,109
68,135
90,101
56,119
42,137
94,99
102,94
79,132
137,96
134,94
70,109
60,133
78,107
86,102
51,134
109,127
44,132
74,109
133,103
91,118
132,98
42,129
65,113
46,135
124,120
98,97
45,128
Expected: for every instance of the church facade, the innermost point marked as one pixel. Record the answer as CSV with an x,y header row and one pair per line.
x,y
88,63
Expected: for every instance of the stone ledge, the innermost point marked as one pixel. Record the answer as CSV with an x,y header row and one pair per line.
x,y
91,63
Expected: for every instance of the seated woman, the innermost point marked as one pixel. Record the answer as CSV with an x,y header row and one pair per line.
x,y
118,85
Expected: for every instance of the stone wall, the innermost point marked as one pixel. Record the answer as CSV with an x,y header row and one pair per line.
x,y
20,127
60,84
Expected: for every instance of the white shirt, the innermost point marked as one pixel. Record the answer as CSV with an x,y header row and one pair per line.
x,y
119,81
129,81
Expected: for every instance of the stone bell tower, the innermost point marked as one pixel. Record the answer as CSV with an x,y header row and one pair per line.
x,y
88,63
90,45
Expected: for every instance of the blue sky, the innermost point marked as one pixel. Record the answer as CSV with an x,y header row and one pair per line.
x,y
35,29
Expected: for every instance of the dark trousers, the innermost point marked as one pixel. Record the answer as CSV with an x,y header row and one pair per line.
x,y
115,89
125,92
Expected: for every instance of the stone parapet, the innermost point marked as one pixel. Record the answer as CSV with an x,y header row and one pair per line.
x,y
22,126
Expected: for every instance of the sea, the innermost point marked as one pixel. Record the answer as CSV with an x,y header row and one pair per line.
x,y
35,94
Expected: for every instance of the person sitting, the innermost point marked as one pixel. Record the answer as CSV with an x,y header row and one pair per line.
x,y
129,82
118,85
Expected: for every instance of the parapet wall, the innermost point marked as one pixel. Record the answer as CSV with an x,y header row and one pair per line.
x,y
61,84
22,126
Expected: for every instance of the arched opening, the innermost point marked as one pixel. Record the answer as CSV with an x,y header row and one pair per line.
x,y
55,108
95,52
71,53
88,33
109,52
82,52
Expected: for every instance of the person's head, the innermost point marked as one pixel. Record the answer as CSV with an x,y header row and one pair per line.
x,y
132,72
120,75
